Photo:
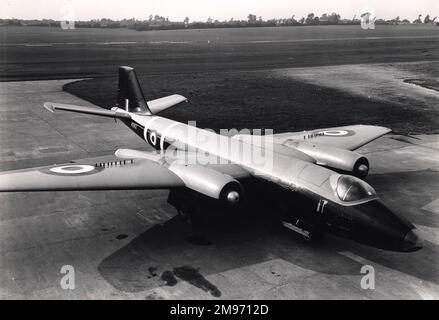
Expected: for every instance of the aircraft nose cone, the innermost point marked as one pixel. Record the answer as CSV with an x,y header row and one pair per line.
x,y
412,241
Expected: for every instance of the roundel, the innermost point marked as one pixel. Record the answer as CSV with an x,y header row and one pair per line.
x,y
337,133
72,170
152,138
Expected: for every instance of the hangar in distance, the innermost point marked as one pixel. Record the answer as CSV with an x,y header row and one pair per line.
x,y
319,168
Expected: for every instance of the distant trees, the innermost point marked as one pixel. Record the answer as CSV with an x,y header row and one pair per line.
x,y
311,19
157,22
427,19
396,20
324,19
251,18
333,18
417,21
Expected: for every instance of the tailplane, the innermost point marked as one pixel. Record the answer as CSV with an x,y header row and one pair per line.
x,y
130,99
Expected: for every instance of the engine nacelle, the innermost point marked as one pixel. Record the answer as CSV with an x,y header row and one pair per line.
x,y
336,158
210,182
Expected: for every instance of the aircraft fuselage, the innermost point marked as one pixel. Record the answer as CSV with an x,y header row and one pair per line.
x,y
365,220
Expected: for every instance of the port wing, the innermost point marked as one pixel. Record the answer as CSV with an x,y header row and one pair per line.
x,y
134,170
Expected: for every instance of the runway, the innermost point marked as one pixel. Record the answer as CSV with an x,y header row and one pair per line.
x,y
131,244
123,43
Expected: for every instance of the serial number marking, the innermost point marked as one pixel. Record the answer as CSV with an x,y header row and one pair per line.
x,y
321,205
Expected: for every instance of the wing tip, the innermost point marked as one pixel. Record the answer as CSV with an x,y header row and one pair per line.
x,y
49,106
181,98
372,126
385,130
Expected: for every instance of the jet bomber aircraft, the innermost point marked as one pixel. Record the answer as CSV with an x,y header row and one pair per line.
x,y
319,167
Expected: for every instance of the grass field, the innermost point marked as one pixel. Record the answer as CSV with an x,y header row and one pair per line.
x,y
42,53
261,99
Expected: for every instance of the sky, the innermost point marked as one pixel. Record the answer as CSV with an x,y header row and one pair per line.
x,y
200,10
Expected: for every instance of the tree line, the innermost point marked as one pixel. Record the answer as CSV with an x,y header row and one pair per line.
x,y
157,22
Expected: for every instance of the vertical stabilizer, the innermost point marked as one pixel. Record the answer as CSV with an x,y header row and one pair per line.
x,y
129,93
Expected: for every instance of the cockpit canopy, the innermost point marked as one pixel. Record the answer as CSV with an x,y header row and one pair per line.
x,y
351,189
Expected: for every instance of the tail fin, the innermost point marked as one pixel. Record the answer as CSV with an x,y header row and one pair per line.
x,y
129,93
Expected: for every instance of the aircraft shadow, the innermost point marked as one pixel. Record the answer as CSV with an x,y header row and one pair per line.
x,y
177,250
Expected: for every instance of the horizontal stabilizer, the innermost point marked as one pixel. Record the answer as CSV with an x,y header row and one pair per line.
x,y
87,110
158,105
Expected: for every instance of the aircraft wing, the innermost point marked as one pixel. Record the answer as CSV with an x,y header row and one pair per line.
x,y
137,170
348,137
120,175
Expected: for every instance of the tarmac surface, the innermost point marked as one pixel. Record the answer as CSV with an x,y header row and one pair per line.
x,y
131,244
